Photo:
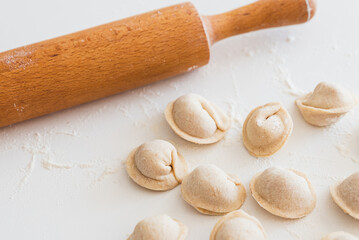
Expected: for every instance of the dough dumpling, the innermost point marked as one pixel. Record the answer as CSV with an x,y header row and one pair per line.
x,y
160,227
197,120
266,129
284,192
340,236
327,104
238,225
211,191
156,165
346,195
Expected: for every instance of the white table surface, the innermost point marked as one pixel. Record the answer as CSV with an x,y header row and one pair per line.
x,y
62,175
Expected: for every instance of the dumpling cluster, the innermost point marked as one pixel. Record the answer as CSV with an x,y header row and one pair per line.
x,y
238,225
346,195
197,120
160,227
211,191
156,165
326,104
266,129
284,192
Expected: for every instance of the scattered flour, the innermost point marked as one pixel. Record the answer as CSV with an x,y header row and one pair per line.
x,y
344,136
50,165
18,59
192,68
285,78
290,39
37,149
108,171
73,133
25,179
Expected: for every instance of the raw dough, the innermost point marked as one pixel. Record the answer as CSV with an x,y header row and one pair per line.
x,y
196,120
286,193
238,225
346,195
211,191
156,165
327,104
266,129
339,236
159,228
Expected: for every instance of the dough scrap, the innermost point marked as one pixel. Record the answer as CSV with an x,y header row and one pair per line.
x,y
285,193
340,236
238,225
156,165
326,104
266,129
197,120
160,227
211,191
346,195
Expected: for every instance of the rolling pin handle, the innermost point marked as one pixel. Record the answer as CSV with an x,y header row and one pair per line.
x,y
259,15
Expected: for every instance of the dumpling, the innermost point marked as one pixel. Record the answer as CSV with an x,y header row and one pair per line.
x,y
160,227
211,191
197,120
156,165
346,195
238,225
327,104
285,193
339,236
266,129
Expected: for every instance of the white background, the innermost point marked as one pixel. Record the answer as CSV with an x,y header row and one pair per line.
x,y
62,175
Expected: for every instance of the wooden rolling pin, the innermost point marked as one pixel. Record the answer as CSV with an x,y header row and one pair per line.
x,y
77,68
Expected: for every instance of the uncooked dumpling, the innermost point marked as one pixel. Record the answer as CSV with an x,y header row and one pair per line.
x,y
327,104
266,129
211,191
286,193
197,120
159,228
238,225
156,165
346,195
340,236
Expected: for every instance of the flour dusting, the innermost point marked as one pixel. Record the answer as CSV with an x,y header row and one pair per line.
x,y
290,39
25,179
108,171
19,58
284,77
344,135
50,165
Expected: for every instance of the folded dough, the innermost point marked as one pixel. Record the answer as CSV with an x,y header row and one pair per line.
x,y
327,104
156,165
286,193
346,195
160,227
211,191
266,129
339,236
197,120
238,225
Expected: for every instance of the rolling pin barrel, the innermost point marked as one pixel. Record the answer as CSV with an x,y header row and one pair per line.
x,y
99,62
81,67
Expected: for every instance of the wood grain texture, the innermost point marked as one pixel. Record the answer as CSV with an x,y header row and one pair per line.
x,y
259,15
81,67
63,72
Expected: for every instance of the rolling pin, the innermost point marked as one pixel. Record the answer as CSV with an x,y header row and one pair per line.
x,y
80,67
